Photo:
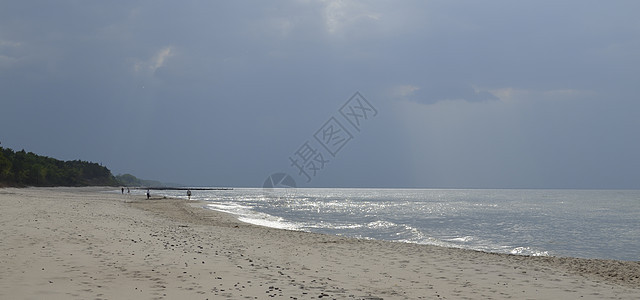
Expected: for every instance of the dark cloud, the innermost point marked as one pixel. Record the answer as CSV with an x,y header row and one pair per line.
x,y
221,93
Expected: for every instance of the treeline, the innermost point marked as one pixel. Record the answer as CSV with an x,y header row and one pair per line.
x,y
20,168
130,180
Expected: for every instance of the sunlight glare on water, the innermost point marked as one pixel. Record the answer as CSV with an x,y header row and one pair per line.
x,y
579,223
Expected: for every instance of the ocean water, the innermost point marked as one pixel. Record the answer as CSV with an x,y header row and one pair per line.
x,y
578,223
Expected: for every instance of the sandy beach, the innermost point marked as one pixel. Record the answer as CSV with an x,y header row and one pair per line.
x,y
83,243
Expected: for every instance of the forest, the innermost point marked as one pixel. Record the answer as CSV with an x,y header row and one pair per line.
x,y
20,168
130,180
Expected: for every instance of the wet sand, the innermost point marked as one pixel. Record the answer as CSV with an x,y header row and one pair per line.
x,y
82,243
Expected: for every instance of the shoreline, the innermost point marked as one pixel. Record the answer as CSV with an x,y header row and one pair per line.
x,y
202,205
570,263
536,223
77,243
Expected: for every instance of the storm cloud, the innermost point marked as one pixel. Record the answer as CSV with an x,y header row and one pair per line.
x,y
472,94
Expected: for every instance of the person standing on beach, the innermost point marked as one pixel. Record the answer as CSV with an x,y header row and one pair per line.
x,y
148,194
122,189
189,194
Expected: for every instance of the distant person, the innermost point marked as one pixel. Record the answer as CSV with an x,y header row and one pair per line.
x,y
148,194
122,190
189,194
128,191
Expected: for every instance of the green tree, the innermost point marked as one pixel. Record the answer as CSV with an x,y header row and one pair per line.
x,y
27,168
5,167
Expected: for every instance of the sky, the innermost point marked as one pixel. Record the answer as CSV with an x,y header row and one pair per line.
x,y
409,94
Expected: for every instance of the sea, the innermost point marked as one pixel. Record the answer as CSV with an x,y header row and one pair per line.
x,y
602,224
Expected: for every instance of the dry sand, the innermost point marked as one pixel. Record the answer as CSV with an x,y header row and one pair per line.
x,y
81,243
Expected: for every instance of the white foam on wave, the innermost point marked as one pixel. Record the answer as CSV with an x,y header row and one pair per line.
x,y
247,215
272,223
463,239
231,208
327,225
381,225
528,251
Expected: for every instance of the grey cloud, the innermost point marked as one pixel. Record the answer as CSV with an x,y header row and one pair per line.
x,y
435,94
238,85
